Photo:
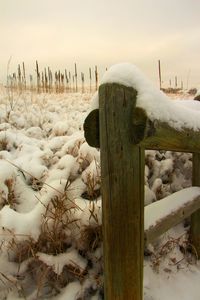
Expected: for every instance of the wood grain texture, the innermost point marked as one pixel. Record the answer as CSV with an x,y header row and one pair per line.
x,y
160,135
91,128
122,173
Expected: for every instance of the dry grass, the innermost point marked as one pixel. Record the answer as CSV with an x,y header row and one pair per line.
x,y
167,251
91,238
3,144
9,199
56,221
93,183
55,238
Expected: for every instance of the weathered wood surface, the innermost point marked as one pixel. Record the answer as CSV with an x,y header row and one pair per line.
x,y
195,219
168,221
122,172
150,135
160,135
91,128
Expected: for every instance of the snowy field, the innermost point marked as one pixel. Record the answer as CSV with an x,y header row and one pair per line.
x,y
50,217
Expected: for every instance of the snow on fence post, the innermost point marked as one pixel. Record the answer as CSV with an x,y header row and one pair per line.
x,y
195,218
122,173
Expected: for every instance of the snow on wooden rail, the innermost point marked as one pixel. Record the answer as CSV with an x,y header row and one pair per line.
x,y
129,116
170,211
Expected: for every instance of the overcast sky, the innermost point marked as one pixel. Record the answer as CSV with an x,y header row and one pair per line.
x,y
90,32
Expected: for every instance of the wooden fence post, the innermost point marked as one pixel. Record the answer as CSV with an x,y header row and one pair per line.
x,y
96,78
76,75
195,218
19,78
67,81
24,75
90,76
82,82
122,173
38,77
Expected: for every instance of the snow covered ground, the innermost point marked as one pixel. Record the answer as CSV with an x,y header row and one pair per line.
x,y
50,217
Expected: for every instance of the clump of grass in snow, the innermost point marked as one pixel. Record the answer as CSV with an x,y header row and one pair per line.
x,y
56,239
3,144
55,233
176,251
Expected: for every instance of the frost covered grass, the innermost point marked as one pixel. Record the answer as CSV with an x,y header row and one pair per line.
x,y
48,177
50,201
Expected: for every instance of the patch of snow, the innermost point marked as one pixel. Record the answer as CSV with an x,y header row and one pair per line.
x,y
71,257
70,292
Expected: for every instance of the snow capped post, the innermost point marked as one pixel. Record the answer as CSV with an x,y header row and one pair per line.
x,y
122,172
121,126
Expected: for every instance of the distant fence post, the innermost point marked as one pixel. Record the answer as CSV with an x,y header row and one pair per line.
x,y
76,75
96,78
24,75
38,77
122,173
90,76
195,218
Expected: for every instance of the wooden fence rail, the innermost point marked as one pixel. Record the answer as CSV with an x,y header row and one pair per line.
x,y
123,132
